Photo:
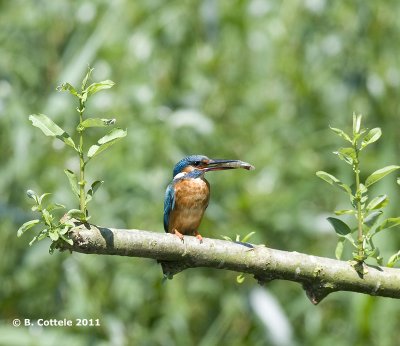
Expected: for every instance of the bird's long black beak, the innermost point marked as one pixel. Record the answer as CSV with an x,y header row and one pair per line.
x,y
216,165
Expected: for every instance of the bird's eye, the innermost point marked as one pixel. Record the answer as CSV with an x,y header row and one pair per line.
x,y
196,163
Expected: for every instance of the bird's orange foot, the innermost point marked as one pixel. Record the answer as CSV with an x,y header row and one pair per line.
x,y
198,236
178,234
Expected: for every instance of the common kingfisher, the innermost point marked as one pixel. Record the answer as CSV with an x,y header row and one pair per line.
x,y
187,196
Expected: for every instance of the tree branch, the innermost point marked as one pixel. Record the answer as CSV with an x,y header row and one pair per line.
x,y
319,276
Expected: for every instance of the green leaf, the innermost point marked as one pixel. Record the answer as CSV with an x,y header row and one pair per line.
x,y
65,229
31,194
67,240
67,87
67,224
379,174
55,206
356,123
112,135
371,137
53,234
49,128
378,202
341,133
95,122
345,211
350,239
339,226
389,223
27,225
105,142
393,259
346,154
247,237
77,214
35,238
52,247
94,187
73,181
88,73
240,278
371,219
96,87
48,218
329,178
40,199
339,248
226,237
363,189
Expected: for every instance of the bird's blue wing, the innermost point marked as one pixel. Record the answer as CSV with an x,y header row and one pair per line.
x,y
169,202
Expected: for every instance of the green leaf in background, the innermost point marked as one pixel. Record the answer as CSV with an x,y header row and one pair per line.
x,y
95,122
27,225
94,187
339,226
371,137
379,174
329,178
49,128
341,133
339,248
96,87
67,87
389,223
378,202
73,181
105,142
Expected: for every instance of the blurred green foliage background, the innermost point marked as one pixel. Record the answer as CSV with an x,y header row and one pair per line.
x,y
257,80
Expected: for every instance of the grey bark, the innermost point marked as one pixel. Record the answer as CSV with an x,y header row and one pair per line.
x,y
319,276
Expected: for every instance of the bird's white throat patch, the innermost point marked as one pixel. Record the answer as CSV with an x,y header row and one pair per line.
x,y
180,175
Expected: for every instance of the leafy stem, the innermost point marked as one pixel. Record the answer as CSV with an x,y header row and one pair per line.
x,y
57,230
360,214
367,213
82,182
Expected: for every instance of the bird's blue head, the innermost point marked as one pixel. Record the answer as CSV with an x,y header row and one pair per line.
x,y
205,164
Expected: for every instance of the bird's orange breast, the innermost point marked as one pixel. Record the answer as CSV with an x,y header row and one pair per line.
x,y
191,200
